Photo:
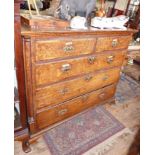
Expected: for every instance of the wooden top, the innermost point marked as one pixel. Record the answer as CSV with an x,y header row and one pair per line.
x,y
27,32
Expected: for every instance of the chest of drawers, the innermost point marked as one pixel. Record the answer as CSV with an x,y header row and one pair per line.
x,y
69,71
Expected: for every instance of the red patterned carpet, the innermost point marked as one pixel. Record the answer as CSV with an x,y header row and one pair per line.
x,y
82,132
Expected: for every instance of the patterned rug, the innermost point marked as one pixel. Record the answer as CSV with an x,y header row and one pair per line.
x,y
81,133
127,89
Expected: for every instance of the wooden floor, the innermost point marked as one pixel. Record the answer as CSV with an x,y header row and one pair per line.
x,y
132,71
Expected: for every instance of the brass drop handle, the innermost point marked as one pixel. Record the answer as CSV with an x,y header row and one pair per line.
x,y
105,78
114,42
88,77
91,59
68,47
110,59
66,67
62,112
102,96
63,91
84,98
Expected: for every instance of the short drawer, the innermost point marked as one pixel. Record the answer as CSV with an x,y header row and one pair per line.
x,y
74,106
51,49
47,73
112,43
59,92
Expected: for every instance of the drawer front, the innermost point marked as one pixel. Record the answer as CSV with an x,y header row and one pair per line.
x,y
59,92
63,48
67,109
60,70
112,43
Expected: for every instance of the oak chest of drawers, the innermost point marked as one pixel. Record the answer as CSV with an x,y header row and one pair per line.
x,y
69,71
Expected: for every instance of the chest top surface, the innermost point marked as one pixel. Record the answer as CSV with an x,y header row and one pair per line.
x,y
27,32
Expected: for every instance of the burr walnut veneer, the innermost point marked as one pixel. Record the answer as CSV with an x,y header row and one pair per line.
x,y
68,71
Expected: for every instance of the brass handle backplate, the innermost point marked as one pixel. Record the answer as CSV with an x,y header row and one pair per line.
x,y
88,77
114,42
91,59
84,98
68,47
63,91
62,112
66,67
110,59
105,78
101,96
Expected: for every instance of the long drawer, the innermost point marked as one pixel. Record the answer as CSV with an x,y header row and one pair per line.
x,y
48,73
59,92
50,49
112,43
74,106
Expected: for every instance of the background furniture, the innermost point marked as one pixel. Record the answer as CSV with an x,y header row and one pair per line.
x,y
133,11
132,68
21,130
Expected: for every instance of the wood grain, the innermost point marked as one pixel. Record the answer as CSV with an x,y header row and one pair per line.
x,y
20,133
19,64
112,43
69,108
63,47
59,92
75,33
50,72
